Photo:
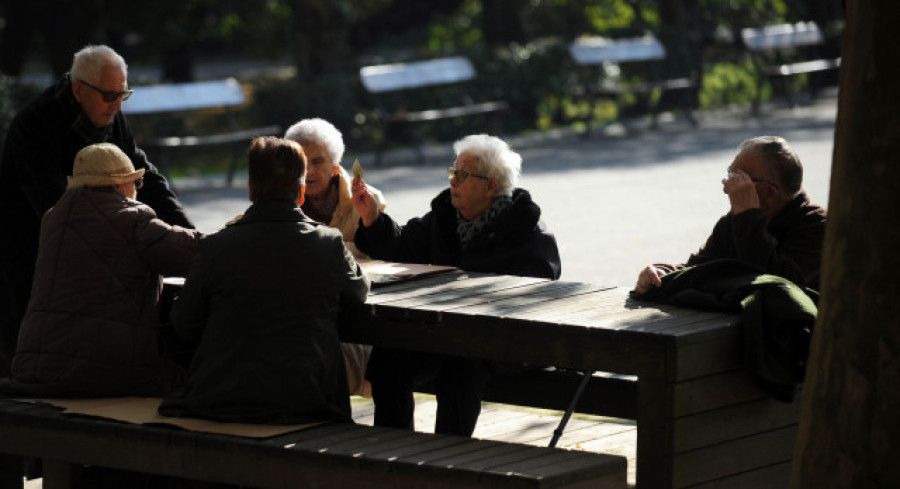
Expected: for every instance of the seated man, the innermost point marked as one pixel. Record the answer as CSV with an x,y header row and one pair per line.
x,y
328,200
262,298
91,328
482,223
772,222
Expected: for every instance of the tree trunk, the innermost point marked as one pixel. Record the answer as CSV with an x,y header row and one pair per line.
x,y
849,433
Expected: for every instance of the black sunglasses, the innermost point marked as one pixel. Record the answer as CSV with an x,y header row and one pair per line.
x,y
109,96
139,183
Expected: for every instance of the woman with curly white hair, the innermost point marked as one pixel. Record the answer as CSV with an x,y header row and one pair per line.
x,y
328,195
482,223
327,200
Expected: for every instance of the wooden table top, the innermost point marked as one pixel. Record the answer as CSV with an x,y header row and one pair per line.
x,y
564,324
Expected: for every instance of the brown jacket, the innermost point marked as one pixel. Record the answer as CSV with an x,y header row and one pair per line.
x,y
91,325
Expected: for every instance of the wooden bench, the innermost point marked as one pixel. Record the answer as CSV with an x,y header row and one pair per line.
x,y
406,79
224,94
784,50
599,60
329,455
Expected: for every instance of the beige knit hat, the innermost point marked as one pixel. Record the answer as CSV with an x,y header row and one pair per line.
x,y
101,165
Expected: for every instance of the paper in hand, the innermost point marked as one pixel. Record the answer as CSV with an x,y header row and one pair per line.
x,y
357,170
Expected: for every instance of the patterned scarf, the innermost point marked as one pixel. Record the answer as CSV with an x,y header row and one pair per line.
x,y
468,230
322,210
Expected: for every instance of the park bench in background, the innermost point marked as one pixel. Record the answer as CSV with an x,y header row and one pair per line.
x,y
600,60
395,88
784,50
224,94
328,455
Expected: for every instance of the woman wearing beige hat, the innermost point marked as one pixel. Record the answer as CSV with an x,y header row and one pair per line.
x,y
92,321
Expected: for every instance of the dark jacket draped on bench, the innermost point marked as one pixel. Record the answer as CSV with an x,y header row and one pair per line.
x,y
778,315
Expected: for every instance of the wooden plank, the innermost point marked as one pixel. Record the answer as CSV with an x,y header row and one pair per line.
x,y
459,292
776,476
713,392
722,351
735,457
733,422
466,454
654,434
521,300
598,50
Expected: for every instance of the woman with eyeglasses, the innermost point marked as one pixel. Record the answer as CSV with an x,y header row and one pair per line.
x,y
327,199
92,324
482,223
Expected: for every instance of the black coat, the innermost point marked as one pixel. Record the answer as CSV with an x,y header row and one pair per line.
x,y
263,297
38,154
518,244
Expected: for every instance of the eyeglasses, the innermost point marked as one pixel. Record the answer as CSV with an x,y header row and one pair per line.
x,y
462,175
110,96
139,183
732,173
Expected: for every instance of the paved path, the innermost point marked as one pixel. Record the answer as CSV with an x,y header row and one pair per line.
x,y
615,202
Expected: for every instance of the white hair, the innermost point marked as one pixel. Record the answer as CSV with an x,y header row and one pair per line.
x,y
318,131
88,63
495,160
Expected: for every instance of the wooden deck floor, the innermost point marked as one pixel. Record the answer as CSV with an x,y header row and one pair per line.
x,y
530,426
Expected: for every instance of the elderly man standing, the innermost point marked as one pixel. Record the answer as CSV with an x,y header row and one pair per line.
x,y
772,222
482,223
80,110
328,200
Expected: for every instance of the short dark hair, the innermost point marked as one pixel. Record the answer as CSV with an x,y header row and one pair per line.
x,y
277,167
781,156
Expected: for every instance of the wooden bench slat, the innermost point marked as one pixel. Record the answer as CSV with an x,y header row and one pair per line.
x,y
758,451
733,422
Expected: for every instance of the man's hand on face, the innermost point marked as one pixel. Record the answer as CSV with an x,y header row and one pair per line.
x,y
741,191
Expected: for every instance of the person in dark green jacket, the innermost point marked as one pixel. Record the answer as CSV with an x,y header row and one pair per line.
x,y
262,298
482,223
772,222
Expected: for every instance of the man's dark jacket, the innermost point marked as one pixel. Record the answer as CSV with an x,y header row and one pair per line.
x,y
790,245
518,244
263,297
38,154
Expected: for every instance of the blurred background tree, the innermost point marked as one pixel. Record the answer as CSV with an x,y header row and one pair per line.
x,y
518,46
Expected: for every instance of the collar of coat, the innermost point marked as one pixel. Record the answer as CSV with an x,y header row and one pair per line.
x,y
522,216
274,211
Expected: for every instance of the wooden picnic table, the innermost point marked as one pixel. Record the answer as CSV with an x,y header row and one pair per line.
x,y
702,420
